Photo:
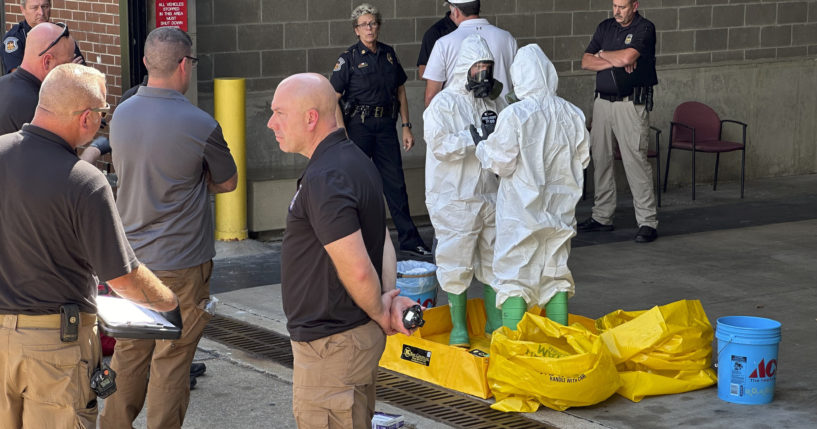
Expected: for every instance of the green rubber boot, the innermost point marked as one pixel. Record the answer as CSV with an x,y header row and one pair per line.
x,y
512,311
459,330
556,308
494,315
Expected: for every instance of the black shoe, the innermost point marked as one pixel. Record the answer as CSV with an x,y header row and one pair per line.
x,y
192,382
591,224
197,369
646,234
420,251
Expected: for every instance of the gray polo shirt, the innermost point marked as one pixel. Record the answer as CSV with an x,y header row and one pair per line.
x,y
163,147
58,226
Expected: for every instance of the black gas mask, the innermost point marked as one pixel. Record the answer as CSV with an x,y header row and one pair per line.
x,y
482,82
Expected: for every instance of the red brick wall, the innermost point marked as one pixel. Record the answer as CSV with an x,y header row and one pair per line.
x,y
94,24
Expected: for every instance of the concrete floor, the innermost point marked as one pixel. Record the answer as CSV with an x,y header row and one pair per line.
x,y
739,257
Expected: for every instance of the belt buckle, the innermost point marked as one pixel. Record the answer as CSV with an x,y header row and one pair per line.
x,y
378,112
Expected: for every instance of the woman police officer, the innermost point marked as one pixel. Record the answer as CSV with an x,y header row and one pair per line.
x,y
370,81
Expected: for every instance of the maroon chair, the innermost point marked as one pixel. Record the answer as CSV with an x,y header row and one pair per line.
x,y
696,127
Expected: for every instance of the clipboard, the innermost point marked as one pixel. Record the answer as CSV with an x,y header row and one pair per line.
x,y
120,318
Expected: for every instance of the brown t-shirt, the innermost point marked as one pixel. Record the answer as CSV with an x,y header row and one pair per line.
x,y
58,226
339,193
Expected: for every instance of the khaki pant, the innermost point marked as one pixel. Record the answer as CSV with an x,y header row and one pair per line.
x,y
630,125
334,378
167,361
47,383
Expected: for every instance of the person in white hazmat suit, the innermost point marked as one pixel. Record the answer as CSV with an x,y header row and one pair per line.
x,y
460,195
539,150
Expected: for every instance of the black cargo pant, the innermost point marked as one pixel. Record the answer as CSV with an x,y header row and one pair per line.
x,y
377,137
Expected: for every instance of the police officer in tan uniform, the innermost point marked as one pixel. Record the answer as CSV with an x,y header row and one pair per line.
x,y
61,235
622,53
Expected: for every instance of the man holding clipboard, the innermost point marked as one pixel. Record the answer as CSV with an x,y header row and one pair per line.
x,y
59,237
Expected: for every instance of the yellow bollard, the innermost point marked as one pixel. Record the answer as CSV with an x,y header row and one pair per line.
x,y
231,207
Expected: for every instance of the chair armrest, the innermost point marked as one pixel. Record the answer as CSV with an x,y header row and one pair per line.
x,y
673,124
683,125
734,122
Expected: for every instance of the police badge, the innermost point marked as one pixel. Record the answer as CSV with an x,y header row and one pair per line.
x,y
339,64
11,44
388,57
628,39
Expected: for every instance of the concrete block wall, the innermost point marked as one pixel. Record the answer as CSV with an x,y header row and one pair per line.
x,y
732,45
94,24
266,40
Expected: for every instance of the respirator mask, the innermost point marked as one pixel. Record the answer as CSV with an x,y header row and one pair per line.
x,y
481,79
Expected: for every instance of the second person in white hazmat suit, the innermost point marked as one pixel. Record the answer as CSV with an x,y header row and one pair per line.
x,y
460,195
539,149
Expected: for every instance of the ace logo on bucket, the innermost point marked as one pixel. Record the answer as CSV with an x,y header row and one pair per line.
x,y
764,370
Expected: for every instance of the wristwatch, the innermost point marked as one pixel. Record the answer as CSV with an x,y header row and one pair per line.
x,y
407,125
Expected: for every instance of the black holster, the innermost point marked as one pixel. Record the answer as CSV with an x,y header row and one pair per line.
x,y
642,95
346,107
395,108
69,323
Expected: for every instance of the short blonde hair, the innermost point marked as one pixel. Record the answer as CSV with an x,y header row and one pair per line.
x,y
71,87
365,9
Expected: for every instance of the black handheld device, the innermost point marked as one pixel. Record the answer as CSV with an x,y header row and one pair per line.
x,y
413,317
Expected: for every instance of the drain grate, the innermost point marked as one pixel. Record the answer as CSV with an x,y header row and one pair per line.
x,y
252,339
431,401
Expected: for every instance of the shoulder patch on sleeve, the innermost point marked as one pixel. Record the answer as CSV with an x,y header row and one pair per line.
x,y
11,44
339,64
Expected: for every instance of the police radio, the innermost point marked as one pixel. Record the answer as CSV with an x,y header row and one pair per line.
x,y
413,317
103,381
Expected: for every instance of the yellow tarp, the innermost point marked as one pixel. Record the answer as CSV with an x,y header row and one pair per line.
x,y
543,362
663,350
426,354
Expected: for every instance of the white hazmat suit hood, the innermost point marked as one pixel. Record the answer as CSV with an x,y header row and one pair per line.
x,y
460,195
539,149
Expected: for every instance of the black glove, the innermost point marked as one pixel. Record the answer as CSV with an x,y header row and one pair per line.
x,y
102,144
173,316
488,129
475,135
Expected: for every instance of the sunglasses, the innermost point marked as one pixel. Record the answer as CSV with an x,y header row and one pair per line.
x,y
64,33
104,110
194,60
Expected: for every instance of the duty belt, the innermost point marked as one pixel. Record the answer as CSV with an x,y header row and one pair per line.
x,y
50,321
613,98
372,111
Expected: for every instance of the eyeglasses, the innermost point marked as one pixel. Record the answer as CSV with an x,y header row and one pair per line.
x,y
194,60
104,110
64,33
373,24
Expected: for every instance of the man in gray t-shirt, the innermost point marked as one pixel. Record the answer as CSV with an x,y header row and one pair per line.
x,y
167,154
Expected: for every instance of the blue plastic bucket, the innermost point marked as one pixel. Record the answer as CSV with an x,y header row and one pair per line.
x,y
418,281
747,359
